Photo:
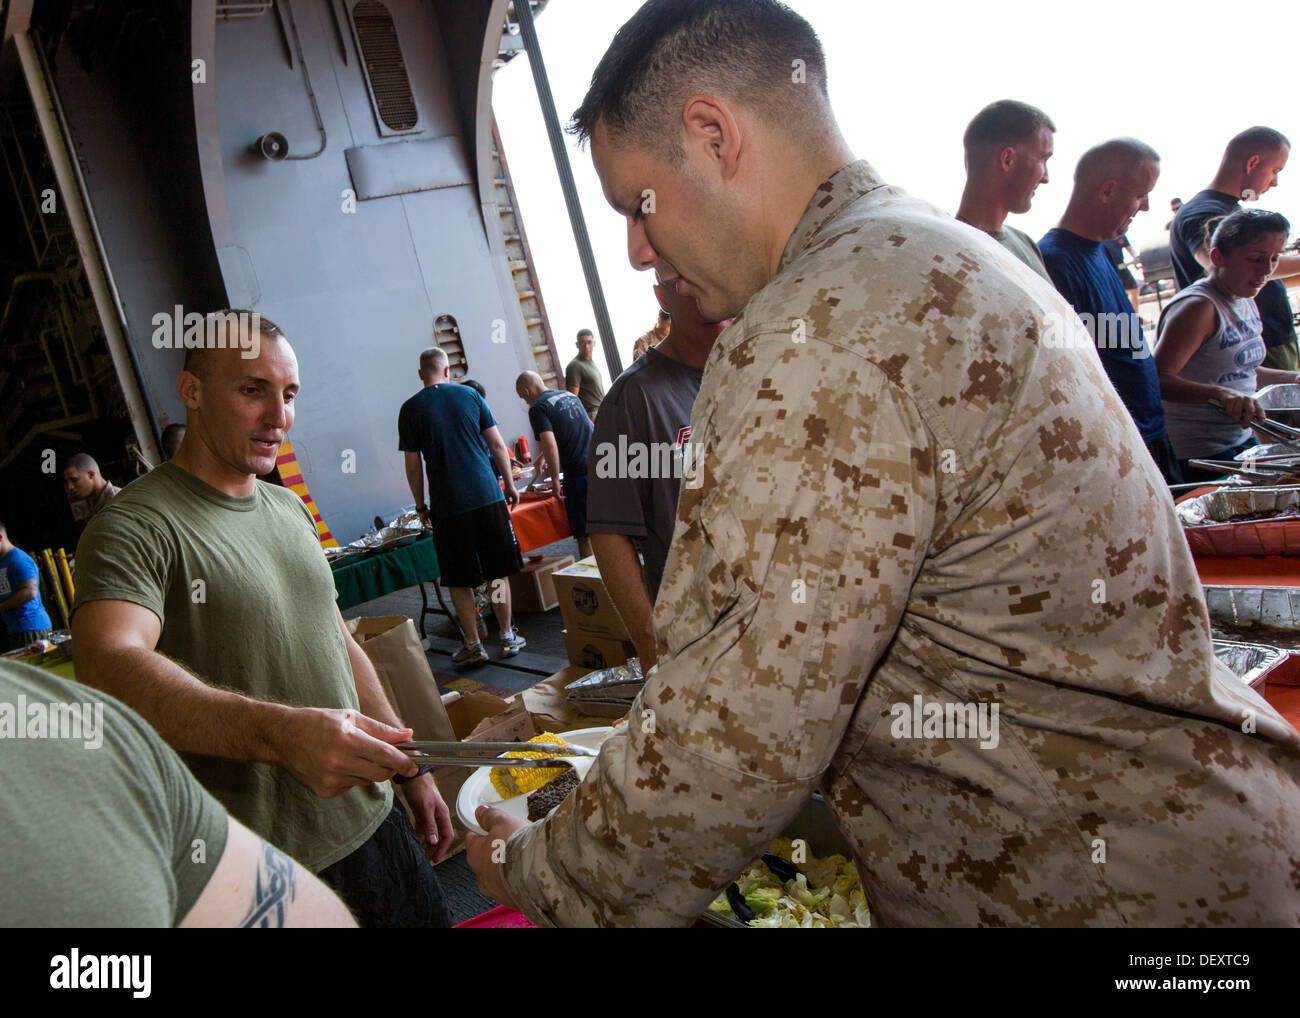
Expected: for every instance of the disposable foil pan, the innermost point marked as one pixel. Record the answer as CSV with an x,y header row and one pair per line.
x,y
1269,616
1282,403
1204,522
1250,662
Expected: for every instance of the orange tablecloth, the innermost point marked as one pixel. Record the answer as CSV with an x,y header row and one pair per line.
x,y
539,523
1255,571
1244,570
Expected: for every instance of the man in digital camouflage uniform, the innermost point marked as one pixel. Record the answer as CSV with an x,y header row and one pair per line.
x,y
906,493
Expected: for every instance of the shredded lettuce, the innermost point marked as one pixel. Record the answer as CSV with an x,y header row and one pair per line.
x,y
826,894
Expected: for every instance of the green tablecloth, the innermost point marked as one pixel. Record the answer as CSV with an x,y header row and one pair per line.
x,y
364,579
63,669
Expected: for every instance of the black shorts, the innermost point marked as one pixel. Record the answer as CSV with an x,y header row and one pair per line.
x,y
575,504
477,546
389,882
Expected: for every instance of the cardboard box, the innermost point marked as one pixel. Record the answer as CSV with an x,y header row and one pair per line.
x,y
591,652
585,604
533,590
477,717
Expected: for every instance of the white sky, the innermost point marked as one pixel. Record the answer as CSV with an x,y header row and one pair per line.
x,y
905,79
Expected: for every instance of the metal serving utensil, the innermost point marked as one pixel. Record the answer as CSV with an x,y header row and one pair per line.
x,y
488,754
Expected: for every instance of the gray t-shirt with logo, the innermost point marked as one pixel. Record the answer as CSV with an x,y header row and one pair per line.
x,y
635,465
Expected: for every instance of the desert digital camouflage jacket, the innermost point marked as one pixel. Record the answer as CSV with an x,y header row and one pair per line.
x,y
909,498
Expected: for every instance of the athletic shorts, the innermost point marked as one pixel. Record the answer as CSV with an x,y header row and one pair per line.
x,y
575,504
477,546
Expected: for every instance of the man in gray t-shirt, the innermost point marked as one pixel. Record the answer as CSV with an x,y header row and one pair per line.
x,y
637,459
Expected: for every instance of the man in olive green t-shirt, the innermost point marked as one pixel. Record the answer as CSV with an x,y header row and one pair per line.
x,y
204,602
124,835
1007,145
582,377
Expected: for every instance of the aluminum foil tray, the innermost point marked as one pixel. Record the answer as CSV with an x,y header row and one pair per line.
x,y
1282,403
1268,616
1204,522
1250,662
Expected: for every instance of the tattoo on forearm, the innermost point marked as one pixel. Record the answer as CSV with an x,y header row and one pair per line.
x,y
273,893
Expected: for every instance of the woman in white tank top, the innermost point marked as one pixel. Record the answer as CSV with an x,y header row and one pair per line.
x,y
1210,342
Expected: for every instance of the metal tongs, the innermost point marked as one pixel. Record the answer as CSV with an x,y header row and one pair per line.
x,y
782,869
488,754
1263,471
1283,433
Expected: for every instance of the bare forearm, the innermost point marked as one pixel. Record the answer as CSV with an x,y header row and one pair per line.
x,y
1180,390
189,714
552,453
502,459
415,481
621,573
1287,267
370,693
19,599
1275,376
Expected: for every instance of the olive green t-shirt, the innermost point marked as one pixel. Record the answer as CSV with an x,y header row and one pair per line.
x,y
103,825
246,601
1023,247
586,376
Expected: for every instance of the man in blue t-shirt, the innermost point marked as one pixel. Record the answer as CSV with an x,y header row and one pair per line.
x,y
1250,166
1111,185
563,432
26,620
441,429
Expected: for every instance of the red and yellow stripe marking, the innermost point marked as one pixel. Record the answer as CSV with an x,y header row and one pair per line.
x,y
286,464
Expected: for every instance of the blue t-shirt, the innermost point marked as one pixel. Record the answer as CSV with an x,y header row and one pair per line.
x,y
1082,273
18,568
1187,235
563,414
445,425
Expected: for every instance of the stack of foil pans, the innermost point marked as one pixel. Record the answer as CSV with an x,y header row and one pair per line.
x,y
1205,522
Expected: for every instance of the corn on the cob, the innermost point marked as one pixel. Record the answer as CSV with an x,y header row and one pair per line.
x,y
512,781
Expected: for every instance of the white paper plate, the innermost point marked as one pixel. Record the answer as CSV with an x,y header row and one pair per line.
x,y
478,791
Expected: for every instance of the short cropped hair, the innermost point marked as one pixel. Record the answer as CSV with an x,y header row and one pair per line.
x,y
83,462
1254,141
1113,158
757,53
1002,123
227,318
476,386
433,359
1245,226
585,332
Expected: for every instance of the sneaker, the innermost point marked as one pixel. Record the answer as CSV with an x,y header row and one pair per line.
x,y
512,643
469,654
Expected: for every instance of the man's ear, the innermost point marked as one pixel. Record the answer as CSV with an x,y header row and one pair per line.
x,y
711,125
1251,164
1107,190
188,387
1007,159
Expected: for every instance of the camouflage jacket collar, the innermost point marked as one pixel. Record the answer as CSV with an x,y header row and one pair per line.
x,y
846,185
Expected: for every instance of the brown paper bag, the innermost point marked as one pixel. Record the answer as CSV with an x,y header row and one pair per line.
x,y
394,649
